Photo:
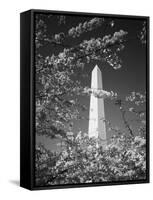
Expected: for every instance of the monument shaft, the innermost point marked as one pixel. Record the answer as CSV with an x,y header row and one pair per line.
x,y
97,126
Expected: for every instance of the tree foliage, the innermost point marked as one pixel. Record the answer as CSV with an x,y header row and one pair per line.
x,y
85,160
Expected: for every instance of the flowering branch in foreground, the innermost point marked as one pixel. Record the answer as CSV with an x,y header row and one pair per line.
x,y
100,93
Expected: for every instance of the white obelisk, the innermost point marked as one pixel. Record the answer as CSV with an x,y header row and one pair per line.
x,y
97,126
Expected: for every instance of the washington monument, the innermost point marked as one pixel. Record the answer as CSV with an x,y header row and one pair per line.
x,y
97,127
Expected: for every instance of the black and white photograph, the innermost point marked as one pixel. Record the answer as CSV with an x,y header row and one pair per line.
x,y
91,99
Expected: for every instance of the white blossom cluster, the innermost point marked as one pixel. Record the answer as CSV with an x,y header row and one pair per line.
x,y
78,30
99,93
85,27
137,98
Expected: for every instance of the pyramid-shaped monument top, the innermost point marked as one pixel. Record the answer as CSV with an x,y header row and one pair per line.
x,y
96,78
96,68
97,127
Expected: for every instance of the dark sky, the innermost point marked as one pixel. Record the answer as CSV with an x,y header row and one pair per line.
x,y
131,77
